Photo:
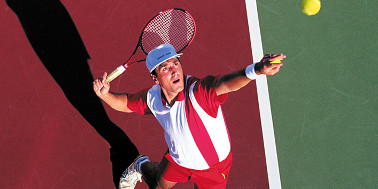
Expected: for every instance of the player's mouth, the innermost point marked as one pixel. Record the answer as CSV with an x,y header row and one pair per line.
x,y
176,81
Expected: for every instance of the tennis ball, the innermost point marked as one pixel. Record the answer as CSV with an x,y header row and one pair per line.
x,y
310,7
276,61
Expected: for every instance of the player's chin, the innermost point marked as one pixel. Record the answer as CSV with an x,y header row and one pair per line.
x,y
179,85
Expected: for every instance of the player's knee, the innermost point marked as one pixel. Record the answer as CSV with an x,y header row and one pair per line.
x,y
164,184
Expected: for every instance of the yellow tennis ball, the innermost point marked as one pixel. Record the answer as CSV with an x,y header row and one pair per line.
x,y
311,7
276,61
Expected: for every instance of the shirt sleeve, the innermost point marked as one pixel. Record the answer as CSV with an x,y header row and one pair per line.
x,y
205,94
138,102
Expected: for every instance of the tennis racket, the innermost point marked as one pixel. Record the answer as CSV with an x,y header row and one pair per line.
x,y
174,26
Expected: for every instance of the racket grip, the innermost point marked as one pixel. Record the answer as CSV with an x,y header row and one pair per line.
x,y
120,69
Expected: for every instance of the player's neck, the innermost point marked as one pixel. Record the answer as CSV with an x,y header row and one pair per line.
x,y
170,98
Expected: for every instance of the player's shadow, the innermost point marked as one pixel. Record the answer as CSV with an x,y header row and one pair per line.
x,y
55,39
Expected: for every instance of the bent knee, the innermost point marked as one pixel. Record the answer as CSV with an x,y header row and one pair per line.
x,y
165,184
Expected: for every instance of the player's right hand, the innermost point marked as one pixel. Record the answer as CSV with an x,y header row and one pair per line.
x,y
100,87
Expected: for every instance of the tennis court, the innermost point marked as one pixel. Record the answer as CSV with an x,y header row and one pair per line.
x,y
323,108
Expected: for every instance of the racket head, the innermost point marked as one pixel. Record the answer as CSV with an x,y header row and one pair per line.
x,y
174,26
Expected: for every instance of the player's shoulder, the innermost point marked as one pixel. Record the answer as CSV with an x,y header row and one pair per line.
x,y
209,78
205,83
154,90
208,81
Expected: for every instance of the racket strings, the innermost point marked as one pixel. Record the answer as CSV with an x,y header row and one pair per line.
x,y
175,27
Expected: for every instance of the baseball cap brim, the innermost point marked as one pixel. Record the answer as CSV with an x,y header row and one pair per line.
x,y
174,56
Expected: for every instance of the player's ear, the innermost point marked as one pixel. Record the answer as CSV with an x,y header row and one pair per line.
x,y
154,78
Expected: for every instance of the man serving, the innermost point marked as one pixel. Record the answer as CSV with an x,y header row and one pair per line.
x,y
189,110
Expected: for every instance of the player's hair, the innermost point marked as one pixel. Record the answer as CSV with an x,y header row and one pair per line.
x,y
154,72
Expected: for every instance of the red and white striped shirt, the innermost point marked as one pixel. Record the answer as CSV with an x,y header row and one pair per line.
x,y
195,130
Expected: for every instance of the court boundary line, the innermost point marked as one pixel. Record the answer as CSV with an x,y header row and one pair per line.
x,y
263,98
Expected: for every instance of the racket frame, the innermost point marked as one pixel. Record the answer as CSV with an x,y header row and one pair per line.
x,y
120,69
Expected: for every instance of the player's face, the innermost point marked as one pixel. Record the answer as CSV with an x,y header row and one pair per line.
x,y
170,77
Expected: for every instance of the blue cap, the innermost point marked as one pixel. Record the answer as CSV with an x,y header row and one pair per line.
x,y
159,55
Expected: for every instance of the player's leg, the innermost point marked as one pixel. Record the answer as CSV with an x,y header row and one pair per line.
x,y
165,174
164,168
152,174
164,184
170,173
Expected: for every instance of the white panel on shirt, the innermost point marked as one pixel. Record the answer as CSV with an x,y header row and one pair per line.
x,y
179,139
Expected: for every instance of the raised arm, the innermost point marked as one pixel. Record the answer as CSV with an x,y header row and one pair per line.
x,y
238,79
117,101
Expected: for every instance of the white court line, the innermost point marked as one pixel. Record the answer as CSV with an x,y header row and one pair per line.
x,y
263,98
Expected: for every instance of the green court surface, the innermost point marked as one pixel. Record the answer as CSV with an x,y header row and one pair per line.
x,y
324,102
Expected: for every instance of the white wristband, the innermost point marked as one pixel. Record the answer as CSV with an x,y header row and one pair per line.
x,y
250,72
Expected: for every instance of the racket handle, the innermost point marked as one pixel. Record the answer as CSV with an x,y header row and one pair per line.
x,y
120,69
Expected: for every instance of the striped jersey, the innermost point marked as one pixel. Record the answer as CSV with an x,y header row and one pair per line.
x,y
194,127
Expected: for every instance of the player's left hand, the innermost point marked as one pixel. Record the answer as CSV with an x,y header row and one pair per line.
x,y
266,67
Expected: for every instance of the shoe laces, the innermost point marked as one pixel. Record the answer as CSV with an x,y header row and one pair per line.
x,y
130,179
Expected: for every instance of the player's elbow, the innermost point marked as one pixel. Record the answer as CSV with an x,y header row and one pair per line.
x,y
225,89
122,108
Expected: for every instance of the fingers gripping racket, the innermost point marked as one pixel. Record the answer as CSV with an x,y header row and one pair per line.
x,y
173,26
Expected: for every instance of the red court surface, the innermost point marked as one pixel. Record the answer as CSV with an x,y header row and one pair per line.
x,y
46,143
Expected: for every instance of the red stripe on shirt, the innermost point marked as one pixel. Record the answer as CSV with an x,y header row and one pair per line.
x,y
206,97
200,135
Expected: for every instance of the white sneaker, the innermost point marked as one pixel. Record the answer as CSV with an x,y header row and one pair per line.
x,y
132,174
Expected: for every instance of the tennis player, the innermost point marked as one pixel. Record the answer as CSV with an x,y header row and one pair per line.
x,y
189,110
